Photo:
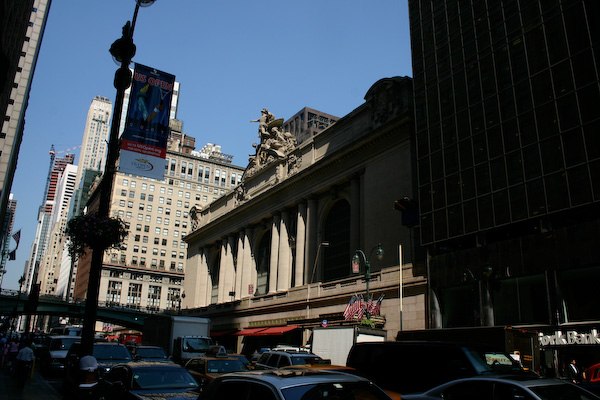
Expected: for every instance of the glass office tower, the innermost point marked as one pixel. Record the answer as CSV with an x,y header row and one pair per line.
x,y
507,110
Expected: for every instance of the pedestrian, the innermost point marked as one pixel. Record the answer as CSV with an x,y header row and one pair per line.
x,y
573,373
13,350
24,360
4,349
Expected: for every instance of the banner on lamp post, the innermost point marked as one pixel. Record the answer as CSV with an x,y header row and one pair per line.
x,y
144,140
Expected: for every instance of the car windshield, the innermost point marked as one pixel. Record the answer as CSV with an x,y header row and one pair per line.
x,y
561,392
196,345
220,366
496,361
301,360
103,353
163,378
62,344
335,391
145,352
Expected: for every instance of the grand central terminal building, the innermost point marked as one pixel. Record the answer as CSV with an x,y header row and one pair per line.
x,y
273,258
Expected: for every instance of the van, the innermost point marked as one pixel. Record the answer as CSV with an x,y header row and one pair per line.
x,y
66,330
405,367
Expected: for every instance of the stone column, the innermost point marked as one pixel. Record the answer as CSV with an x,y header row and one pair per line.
x,y
311,238
202,287
274,253
239,264
229,269
191,283
300,244
249,267
226,270
284,273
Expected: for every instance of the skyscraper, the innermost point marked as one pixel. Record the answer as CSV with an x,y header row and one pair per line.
x,y
507,140
94,144
22,27
40,243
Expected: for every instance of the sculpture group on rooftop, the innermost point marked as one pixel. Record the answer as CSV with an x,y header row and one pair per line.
x,y
274,144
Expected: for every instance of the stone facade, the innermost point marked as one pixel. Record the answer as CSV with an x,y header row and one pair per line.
x,y
277,250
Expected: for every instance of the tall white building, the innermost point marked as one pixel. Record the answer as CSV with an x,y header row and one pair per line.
x,y
50,266
94,145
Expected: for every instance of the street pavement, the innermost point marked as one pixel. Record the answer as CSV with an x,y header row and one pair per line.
x,y
34,389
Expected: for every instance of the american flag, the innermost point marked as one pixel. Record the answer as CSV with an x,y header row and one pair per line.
x,y
17,237
370,305
348,312
360,307
376,306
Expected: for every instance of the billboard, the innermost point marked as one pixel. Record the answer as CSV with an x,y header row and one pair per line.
x,y
144,140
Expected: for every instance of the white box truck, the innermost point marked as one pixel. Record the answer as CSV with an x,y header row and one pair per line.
x,y
334,342
181,337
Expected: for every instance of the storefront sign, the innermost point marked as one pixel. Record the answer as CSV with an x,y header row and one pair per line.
x,y
571,337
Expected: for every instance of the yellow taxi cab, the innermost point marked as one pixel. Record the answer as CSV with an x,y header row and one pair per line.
x,y
216,363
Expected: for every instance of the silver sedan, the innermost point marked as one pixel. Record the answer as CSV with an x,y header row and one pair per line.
x,y
505,388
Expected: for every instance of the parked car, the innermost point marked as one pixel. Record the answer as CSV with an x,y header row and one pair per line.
x,y
405,367
256,355
505,387
145,380
288,385
243,359
279,359
106,354
53,353
205,369
149,353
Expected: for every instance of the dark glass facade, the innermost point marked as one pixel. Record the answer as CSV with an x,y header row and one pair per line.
x,y
507,109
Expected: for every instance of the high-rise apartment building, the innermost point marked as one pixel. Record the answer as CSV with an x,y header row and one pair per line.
x,y
50,265
22,25
94,145
148,271
40,243
507,140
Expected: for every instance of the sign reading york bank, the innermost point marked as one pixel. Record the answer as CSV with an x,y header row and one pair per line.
x,y
558,338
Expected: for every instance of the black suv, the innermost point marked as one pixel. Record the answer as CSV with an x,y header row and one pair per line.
x,y
75,383
416,366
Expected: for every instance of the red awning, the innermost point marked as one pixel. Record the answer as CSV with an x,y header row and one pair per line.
x,y
222,333
276,330
249,331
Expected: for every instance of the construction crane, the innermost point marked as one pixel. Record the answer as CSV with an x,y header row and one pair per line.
x,y
53,152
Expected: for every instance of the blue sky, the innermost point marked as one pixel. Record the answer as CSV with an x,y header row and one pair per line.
x,y
232,58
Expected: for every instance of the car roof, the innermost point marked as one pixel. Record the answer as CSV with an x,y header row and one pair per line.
x,y
519,379
150,364
283,378
214,358
291,353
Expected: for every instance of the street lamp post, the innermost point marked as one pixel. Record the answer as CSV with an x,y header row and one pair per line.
x,y
358,254
122,51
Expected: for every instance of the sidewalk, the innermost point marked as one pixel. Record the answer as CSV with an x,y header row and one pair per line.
x,y
34,389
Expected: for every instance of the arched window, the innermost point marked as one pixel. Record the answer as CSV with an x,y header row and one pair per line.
x,y
336,231
263,264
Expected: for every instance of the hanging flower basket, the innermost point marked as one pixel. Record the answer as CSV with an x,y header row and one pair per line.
x,y
97,233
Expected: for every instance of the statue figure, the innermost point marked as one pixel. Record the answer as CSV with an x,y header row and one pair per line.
x,y
274,142
263,123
